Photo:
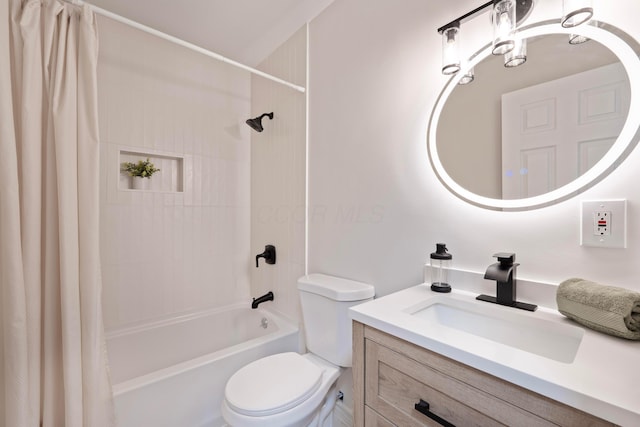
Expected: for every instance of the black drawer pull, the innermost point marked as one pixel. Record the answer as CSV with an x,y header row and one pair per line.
x,y
423,408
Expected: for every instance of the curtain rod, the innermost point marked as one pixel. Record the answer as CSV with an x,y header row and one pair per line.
x,y
185,44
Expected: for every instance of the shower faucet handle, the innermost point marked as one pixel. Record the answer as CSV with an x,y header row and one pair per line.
x,y
269,255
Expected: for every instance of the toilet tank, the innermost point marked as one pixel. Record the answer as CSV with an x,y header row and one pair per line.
x,y
325,302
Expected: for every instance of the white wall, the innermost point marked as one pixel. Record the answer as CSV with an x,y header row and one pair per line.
x,y
172,250
278,168
377,208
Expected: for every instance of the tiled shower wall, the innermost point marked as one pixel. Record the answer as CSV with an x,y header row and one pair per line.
x,y
183,244
278,175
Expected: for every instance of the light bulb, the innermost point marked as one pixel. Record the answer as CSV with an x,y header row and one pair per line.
x,y
450,50
504,23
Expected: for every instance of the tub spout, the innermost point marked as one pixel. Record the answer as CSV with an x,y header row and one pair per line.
x,y
257,301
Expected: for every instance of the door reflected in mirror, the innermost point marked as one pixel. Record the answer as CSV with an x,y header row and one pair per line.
x,y
523,132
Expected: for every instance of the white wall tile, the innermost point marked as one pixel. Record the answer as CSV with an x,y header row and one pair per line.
x,y
165,252
278,176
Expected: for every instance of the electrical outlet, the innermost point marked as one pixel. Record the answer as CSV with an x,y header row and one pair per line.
x,y
604,224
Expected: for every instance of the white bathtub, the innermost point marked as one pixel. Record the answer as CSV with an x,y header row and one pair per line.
x,y
173,373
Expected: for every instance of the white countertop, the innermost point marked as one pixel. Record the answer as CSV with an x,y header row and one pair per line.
x,y
603,379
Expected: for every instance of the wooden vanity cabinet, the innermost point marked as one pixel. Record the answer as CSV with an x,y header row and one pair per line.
x,y
391,376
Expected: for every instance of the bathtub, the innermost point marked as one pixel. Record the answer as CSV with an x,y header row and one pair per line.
x,y
173,373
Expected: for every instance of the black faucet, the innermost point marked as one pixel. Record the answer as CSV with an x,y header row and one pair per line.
x,y
266,297
269,255
504,273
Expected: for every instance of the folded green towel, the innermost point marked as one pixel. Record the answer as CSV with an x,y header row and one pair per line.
x,y
608,309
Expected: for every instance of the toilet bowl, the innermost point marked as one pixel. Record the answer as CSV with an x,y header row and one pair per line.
x,y
286,389
299,390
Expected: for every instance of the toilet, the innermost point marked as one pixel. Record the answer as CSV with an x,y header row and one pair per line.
x,y
299,390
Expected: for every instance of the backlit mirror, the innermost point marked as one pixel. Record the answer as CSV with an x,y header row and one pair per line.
x,y
544,131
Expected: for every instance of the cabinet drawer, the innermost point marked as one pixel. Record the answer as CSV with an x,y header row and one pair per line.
x,y
398,374
373,419
395,383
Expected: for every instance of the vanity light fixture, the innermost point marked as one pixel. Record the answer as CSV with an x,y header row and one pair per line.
x,y
518,55
576,12
506,14
451,49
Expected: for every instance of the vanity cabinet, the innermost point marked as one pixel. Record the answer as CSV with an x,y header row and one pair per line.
x,y
391,376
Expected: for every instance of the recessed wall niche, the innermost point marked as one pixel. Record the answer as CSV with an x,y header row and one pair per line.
x,y
170,178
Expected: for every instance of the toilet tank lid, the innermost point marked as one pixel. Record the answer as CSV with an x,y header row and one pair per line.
x,y
335,288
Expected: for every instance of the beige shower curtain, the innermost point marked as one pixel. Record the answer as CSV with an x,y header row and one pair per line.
x,y
53,366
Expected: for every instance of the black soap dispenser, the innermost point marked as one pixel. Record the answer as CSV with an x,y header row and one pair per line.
x,y
440,265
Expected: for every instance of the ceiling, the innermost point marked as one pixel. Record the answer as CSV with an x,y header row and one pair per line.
x,y
243,30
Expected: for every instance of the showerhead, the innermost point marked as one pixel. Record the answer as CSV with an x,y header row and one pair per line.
x,y
256,124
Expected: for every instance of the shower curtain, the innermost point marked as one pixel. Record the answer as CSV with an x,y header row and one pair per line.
x,y
53,366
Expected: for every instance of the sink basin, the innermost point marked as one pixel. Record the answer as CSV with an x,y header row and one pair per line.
x,y
516,329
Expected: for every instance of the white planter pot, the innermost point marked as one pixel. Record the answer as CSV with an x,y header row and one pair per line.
x,y
139,183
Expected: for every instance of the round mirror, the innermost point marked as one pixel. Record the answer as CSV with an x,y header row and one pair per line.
x,y
529,136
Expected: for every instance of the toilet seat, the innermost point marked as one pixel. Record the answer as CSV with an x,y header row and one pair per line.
x,y
272,385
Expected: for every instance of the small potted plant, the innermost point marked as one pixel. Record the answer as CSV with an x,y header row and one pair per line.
x,y
139,171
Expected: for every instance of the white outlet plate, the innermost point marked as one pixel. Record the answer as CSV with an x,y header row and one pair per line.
x,y
613,213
